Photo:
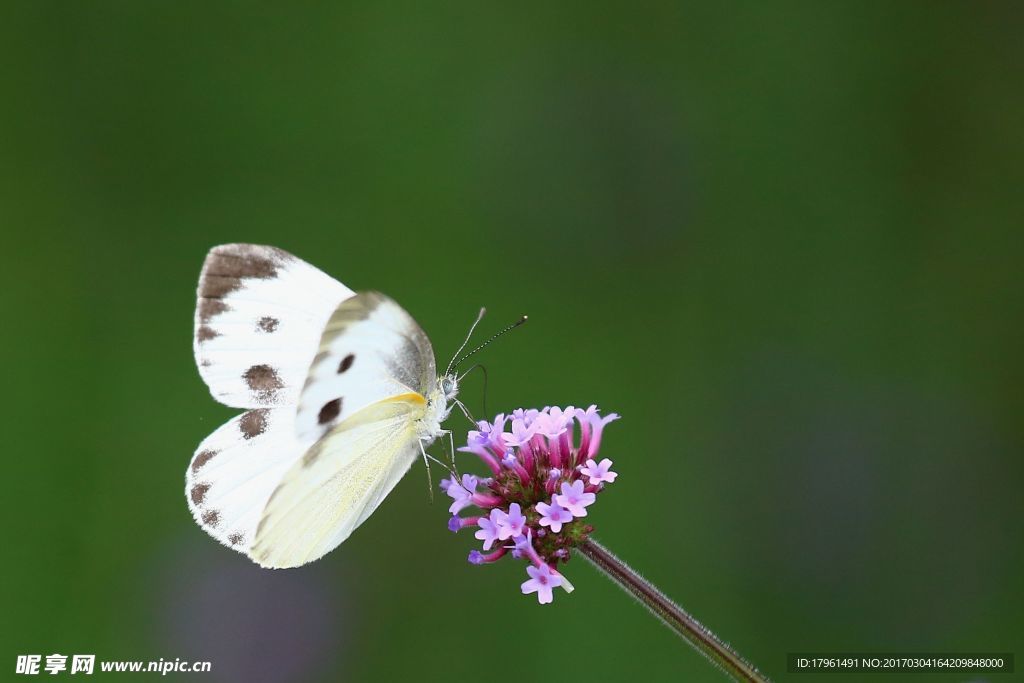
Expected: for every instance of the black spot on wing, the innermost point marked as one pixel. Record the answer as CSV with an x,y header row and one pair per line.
x,y
346,363
253,423
267,324
330,411
211,518
264,381
236,538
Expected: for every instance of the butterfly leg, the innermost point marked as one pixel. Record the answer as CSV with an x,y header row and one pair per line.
x,y
451,443
427,457
450,452
430,479
465,411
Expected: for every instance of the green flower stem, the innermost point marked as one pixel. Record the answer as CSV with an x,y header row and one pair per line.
x,y
674,616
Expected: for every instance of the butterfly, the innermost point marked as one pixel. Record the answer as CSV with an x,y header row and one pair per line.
x,y
341,395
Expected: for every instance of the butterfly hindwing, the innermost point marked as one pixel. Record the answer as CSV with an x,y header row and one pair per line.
x,y
236,469
259,315
338,483
370,349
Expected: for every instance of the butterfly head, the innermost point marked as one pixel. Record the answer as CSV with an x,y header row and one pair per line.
x,y
449,385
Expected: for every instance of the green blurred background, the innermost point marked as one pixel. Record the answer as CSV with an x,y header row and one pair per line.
x,y
783,240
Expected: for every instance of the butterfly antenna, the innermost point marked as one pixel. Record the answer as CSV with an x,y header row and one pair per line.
x,y
496,335
479,317
483,369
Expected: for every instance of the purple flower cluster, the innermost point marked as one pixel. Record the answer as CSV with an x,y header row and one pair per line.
x,y
544,476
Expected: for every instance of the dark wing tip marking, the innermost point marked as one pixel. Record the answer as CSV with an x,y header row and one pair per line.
x,y
228,264
198,493
244,261
213,286
206,333
267,324
253,423
346,363
330,411
208,308
202,457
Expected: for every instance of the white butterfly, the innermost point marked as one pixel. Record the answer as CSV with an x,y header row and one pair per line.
x,y
342,396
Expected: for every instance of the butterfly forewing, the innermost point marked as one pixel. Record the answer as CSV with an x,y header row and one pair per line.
x,y
259,315
371,349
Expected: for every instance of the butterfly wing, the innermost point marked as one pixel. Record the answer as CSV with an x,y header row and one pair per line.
x,y
371,349
259,316
281,482
338,483
236,469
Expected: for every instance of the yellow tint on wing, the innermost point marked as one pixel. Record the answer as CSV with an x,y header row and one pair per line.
x,y
339,482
